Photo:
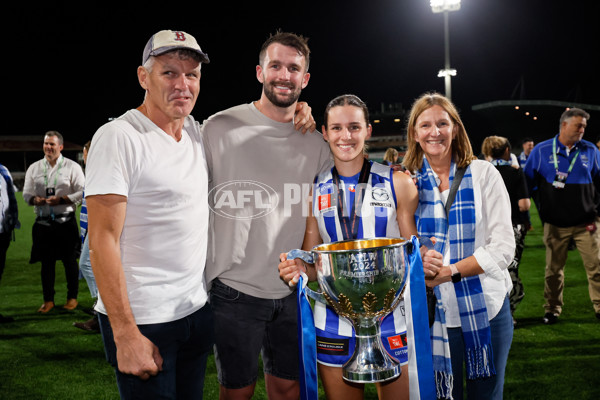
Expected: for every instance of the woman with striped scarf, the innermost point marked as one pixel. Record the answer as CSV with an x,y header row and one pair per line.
x,y
475,236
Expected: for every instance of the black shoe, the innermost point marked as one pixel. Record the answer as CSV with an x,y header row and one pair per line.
x,y
598,315
4,320
91,325
550,318
89,310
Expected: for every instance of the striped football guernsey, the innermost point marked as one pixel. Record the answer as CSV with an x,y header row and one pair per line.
x,y
377,218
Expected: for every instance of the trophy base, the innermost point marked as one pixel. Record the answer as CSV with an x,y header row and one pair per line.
x,y
370,362
371,377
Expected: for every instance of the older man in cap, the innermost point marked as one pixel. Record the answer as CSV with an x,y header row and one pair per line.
x,y
146,193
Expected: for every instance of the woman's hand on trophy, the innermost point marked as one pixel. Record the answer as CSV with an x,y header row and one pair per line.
x,y
433,261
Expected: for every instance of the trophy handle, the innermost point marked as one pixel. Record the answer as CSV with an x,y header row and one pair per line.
x,y
317,296
307,257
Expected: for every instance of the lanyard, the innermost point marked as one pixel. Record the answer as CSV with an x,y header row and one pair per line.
x,y
556,161
55,176
349,223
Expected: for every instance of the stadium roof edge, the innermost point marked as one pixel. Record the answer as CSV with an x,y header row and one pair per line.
x,y
512,103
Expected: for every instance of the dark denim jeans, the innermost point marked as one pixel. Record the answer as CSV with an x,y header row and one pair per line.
x,y
184,346
490,388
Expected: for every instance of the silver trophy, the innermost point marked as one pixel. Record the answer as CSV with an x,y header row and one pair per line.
x,y
363,281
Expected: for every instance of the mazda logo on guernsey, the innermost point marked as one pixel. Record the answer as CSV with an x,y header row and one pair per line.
x,y
242,199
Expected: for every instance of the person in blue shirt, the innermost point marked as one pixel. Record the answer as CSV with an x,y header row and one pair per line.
x,y
527,144
9,220
563,175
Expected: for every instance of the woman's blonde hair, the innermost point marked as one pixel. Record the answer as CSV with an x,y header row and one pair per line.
x,y
390,155
462,152
494,146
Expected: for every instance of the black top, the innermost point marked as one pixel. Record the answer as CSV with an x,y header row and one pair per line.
x,y
514,179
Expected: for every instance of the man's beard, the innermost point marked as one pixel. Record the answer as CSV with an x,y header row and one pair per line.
x,y
269,90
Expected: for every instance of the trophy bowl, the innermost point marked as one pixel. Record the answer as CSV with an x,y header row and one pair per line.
x,y
363,281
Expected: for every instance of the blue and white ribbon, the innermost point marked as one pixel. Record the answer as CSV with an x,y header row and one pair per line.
x,y
420,360
309,387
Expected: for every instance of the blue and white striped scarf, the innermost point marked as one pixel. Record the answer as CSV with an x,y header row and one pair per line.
x,y
498,161
459,231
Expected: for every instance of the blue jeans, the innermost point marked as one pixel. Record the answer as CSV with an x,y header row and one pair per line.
x,y
489,388
184,346
85,267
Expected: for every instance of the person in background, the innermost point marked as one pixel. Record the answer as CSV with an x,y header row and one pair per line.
x,y
527,145
464,205
9,221
390,157
498,149
54,187
563,174
85,266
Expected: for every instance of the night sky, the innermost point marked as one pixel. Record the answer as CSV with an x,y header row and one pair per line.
x,y
70,68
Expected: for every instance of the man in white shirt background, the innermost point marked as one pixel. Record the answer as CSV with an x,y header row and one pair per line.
x,y
54,187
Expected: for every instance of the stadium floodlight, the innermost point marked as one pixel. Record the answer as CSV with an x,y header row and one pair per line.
x,y
438,6
446,72
445,6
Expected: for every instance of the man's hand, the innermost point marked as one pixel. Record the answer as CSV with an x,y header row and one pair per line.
x,y
38,201
303,119
136,355
53,200
290,270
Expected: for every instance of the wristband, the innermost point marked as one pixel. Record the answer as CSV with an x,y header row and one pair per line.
x,y
456,276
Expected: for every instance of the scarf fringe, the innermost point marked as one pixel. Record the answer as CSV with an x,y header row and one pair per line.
x,y
442,365
479,362
443,385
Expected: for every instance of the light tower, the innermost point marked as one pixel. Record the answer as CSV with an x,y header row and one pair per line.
x,y
446,6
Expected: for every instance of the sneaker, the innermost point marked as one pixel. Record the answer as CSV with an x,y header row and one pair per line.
x,y
550,318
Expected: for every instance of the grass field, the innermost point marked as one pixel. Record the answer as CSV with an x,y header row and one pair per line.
x,y
45,357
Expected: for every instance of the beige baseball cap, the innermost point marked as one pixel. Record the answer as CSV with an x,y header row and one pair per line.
x,y
164,41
